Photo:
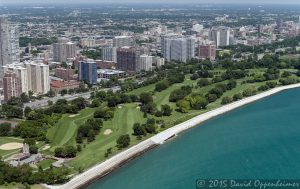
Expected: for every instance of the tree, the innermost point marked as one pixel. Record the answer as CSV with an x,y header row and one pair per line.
x,y
50,93
237,97
27,110
211,97
50,103
226,100
80,103
25,98
160,86
203,82
166,110
59,152
199,102
183,106
179,94
123,141
150,126
285,74
139,130
95,103
12,111
104,113
149,108
64,92
70,151
231,84
249,92
146,98
5,129
65,152
272,73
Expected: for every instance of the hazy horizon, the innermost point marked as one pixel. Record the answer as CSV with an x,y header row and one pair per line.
x,y
147,2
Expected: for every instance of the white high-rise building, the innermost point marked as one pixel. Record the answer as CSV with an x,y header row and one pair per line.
x,y
122,41
9,43
38,77
145,63
178,48
220,35
109,54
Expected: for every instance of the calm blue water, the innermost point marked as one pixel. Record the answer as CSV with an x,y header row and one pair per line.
x,y
260,140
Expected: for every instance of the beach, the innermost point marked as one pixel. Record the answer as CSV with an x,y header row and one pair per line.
x,y
114,162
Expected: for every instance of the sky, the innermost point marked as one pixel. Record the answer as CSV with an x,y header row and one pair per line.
x,y
152,1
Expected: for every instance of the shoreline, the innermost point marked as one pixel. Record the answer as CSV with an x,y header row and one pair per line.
x,y
98,171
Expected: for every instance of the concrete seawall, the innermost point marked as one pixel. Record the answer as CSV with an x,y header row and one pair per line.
x,y
116,161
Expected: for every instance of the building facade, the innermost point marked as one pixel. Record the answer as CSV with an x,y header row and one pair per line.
x,y
207,51
58,86
9,44
65,74
128,59
38,77
220,35
122,41
145,63
88,71
22,74
109,54
178,48
11,85
63,51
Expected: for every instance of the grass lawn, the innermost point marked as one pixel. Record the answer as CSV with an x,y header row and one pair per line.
x,y
92,153
64,132
143,89
4,140
46,163
122,123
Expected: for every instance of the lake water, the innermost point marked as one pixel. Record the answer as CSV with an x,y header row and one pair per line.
x,y
260,140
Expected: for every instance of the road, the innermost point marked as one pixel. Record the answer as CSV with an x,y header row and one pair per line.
x,y
44,102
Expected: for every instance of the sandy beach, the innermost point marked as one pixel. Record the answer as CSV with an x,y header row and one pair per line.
x,y
114,162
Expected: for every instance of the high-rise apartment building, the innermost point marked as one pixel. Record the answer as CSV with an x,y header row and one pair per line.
x,y
88,42
128,59
220,35
207,51
9,44
38,77
63,51
178,48
65,74
21,73
122,41
11,85
88,71
145,63
109,54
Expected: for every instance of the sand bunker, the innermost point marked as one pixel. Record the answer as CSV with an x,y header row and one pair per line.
x,y
107,132
11,146
74,115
